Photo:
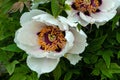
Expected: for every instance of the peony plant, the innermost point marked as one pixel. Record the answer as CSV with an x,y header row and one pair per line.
x,y
46,39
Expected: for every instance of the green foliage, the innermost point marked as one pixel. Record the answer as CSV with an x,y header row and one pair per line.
x,y
57,7
100,59
11,66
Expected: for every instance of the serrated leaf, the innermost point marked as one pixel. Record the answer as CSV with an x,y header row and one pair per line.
x,y
12,48
11,67
118,37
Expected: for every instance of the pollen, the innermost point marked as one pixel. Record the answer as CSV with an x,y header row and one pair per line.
x,y
86,6
51,39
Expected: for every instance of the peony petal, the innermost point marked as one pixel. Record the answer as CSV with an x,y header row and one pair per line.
x,y
67,21
42,65
74,17
79,43
88,19
26,17
107,5
73,58
28,34
47,19
103,16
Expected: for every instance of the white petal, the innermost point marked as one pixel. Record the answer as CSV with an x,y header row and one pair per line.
x,y
103,16
47,19
26,17
79,43
28,34
107,5
42,65
69,37
67,21
73,58
86,18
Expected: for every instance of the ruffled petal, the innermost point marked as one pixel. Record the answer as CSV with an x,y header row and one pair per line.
x,y
79,43
48,20
73,58
26,17
41,65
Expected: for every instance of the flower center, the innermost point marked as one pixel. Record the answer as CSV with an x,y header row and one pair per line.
x,y
87,6
51,39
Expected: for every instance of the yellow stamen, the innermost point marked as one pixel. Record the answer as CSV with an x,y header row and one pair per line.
x,y
86,5
51,38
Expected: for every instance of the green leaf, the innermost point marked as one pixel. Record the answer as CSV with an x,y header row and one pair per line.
x,y
10,67
106,73
32,76
23,69
55,7
118,37
106,56
5,56
95,44
115,20
114,68
18,76
103,68
96,72
68,76
12,48
57,73
79,27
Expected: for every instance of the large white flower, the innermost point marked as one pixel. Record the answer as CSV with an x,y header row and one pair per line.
x,y
46,39
91,11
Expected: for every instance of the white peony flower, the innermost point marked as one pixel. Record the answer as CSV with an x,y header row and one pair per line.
x,y
91,11
46,39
